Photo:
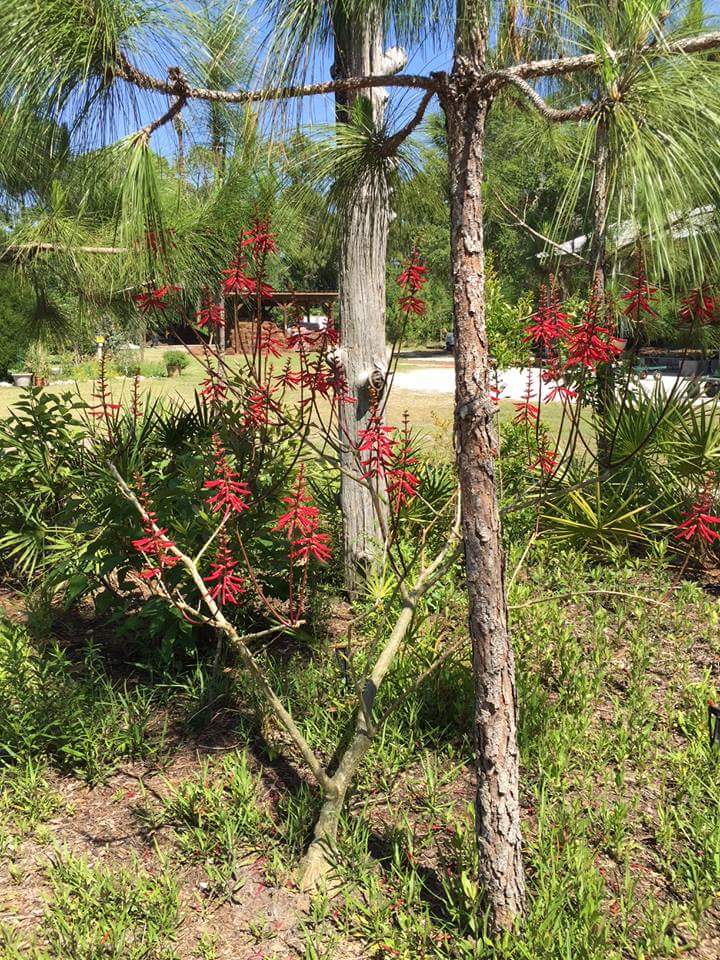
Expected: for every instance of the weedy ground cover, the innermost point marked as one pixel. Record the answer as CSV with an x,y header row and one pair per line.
x,y
160,821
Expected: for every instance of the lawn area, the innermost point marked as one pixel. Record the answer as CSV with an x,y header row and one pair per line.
x,y
430,413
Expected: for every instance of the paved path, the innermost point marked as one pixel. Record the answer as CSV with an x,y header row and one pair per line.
x,y
440,378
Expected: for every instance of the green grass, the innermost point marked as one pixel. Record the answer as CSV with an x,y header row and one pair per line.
x,y
431,414
620,788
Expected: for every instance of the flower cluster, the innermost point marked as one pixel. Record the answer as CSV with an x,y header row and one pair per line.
x,y
527,411
411,280
230,495
154,300
640,298
402,483
385,457
225,584
698,308
698,525
300,524
549,324
155,546
210,314
104,409
591,343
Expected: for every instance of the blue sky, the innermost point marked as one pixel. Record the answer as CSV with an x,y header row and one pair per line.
x,y
312,111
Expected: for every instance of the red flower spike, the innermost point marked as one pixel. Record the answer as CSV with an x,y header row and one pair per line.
x,y
337,381
302,519
640,298
236,279
231,493
376,442
402,483
154,300
412,305
211,314
546,462
549,324
259,407
259,238
699,522
527,411
414,274
314,545
213,389
272,343
698,308
227,585
289,378
154,544
590,343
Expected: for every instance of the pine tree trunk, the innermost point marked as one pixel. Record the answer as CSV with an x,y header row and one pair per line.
x,y
497,799
363,251
598,263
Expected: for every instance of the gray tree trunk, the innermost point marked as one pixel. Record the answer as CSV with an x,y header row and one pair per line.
x,y
363,251
497,805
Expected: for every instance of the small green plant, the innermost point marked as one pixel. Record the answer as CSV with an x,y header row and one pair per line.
x,y
114,913
175,362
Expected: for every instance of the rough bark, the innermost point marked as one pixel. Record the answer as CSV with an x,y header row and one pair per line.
x,y
363,250
598,262
497,799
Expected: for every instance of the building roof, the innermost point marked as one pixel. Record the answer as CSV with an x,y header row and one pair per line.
x,y
626,234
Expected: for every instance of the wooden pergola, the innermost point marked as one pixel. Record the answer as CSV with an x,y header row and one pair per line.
x,y
240,322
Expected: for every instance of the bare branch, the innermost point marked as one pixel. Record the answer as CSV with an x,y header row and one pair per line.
x,y
536,233
562,66
125,70
14,251
393,142
581,112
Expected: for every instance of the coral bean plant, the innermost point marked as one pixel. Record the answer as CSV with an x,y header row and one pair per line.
x,y
275,404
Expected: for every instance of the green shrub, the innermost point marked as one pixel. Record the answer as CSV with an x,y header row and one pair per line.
x,y
16,316
78,718
126,361
175,360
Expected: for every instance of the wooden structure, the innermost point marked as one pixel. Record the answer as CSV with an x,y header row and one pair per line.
x,y
293,306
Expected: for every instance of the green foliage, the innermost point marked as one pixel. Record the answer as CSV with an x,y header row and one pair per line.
x,y
80,720
16,316
122,913
175,360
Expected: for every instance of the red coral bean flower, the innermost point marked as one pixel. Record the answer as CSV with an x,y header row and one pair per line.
x,y
414,274
272,342
527,411
591,343
213,388
698,308
302,518
546,462
376,448
315,545
155,545
259,238
227,585
699,523
231,494
154,300
549,324
210,314
237,281
412,304
402,481
640,298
